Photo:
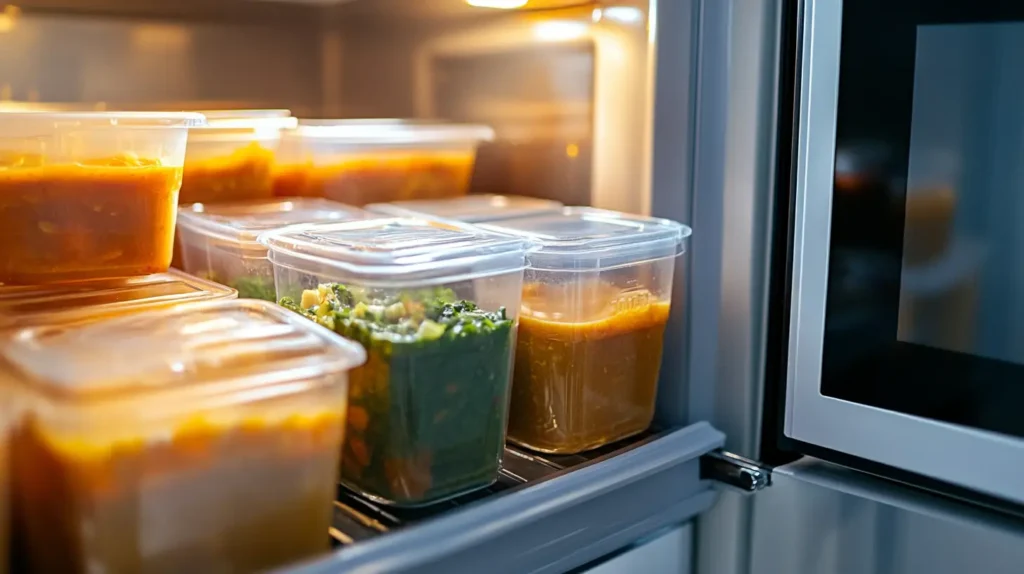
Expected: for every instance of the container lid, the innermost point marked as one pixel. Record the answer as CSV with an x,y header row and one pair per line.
x,y
469,209
224,125
390,132
242,222
588,238
244,345
395,251
24,123
29,306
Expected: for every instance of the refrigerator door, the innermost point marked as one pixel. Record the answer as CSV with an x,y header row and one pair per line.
x,y
906,306
819,518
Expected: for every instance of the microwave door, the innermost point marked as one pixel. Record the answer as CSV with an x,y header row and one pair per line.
x,y
905,346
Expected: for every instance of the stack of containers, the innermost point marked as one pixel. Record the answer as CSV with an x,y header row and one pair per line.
x,y
152,427
477,208
368,161
435,306
596,300
218,241
83,196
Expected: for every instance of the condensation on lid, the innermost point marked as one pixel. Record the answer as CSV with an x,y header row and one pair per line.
x,y
242,222
586,237
396,246
28,306
468,209
384,132
245,344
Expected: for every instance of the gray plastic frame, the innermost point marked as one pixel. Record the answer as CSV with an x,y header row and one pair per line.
x,y
552,525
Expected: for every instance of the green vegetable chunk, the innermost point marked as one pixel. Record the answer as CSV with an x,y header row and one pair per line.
x,y
255,288
427,411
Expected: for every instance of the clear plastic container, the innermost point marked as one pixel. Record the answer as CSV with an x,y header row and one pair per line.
x,y
218,242
435,307
203,438
232,158
87,301
596,301
88,195
368,161
469,209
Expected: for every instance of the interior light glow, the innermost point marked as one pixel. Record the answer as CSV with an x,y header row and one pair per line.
x,y
499,4
623,14
559,30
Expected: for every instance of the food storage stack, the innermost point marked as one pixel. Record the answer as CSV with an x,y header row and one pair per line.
x,y
368,161
435,306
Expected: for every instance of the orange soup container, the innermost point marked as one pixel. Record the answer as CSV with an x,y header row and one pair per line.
x,y
596,299
200,438
369,161
89,195
232,157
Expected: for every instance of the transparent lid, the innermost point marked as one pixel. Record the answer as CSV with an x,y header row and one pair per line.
x,y
243,125
242,222
390,132
469,209
395,251
21,124
29,306
243,345
588,238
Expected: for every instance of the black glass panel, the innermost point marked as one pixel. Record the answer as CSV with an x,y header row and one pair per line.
x,y
925,310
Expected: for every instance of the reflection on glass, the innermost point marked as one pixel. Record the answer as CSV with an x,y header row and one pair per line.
x,y
962,283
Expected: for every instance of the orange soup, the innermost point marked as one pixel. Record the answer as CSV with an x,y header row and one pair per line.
x,y
383,177
244,174
106,218
585,380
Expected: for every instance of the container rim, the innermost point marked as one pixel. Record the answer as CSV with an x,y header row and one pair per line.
x,y
260,121
205,219
474,208
457,252
340,355
389,132
625,238
113,119
39,295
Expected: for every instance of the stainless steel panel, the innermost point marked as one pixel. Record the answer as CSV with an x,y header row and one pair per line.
x,y
127,62
983,461
822,519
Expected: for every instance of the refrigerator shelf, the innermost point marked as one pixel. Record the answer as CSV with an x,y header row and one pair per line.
x,y
545,513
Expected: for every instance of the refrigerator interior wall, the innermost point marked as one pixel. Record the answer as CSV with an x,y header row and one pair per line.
x,y
158,60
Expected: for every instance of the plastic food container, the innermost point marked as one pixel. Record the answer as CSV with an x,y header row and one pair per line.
x,y
232,158
595,303
468,209
360,162
88,195
218,242
435,307
213,449
86,301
